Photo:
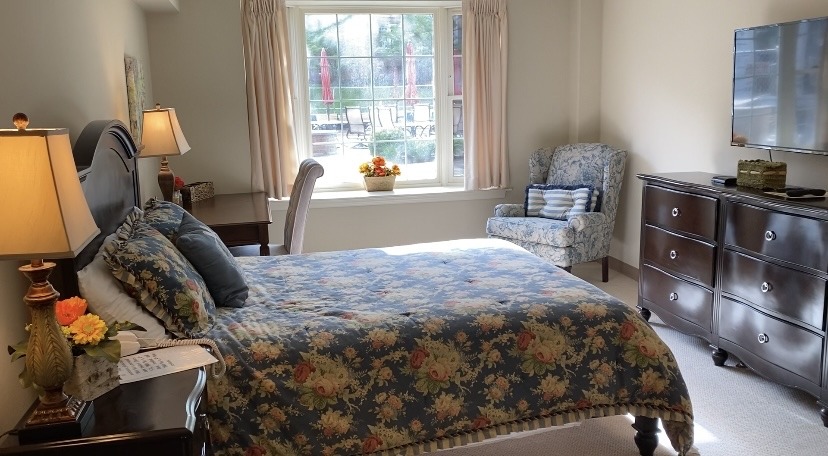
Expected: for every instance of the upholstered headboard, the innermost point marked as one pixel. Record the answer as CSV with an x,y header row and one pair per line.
x,y
105,156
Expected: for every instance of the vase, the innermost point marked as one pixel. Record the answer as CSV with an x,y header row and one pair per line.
x,y
379,184
92,376
176,198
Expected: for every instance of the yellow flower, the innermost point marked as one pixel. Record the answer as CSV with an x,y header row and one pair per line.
x,y
88,329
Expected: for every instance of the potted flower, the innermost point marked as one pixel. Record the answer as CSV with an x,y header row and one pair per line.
x,y
95,346
378,175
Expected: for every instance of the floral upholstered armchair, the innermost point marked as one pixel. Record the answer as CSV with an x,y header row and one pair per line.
x,y
577,236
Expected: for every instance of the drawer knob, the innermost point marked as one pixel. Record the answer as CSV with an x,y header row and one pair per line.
x,y
676,212
673,254
766,287
673,296
770,235
763,338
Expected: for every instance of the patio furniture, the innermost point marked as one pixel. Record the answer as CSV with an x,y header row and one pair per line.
x,y
358,125
422,120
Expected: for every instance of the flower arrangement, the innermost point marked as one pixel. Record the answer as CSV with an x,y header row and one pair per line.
x,y
85,333
377,167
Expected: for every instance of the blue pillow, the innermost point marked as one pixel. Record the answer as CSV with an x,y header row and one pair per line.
x,y
160,278
559,201
203,248
164,216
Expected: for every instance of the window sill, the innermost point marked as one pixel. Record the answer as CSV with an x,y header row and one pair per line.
x,y
397,196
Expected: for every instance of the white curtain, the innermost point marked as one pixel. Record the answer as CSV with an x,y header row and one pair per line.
x,y
274,163
484,93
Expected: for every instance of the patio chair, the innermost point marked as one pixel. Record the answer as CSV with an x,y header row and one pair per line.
x,y
572,239
422,121
385,118
457,119
357,124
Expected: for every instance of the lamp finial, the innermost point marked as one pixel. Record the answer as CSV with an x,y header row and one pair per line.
x,y
20,120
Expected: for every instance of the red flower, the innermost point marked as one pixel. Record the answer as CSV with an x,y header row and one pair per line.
x,y
481,421
628,329
255,450
417,357
179,182
302,371
371,444
523,340
68,310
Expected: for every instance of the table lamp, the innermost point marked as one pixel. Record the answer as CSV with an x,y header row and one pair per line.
x,y
161,137
44,215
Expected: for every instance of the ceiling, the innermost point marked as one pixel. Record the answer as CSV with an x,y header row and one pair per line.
x,y
158,6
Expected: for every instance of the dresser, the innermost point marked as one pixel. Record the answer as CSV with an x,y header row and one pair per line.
x,y
741,269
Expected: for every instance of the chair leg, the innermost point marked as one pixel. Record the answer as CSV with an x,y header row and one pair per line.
x,y
566,268
605,269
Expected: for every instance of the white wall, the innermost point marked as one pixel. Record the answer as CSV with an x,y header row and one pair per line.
x,y
63,65
666,91
197,68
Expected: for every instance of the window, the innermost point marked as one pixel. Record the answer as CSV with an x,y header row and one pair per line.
x,y
380,81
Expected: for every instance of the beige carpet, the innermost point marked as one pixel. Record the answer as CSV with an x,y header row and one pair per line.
x,y
737,412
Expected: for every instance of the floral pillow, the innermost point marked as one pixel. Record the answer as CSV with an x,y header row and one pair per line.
x,y
164,216
160,278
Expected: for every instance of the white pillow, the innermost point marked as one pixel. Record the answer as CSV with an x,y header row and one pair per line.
x,y
557,203
106,297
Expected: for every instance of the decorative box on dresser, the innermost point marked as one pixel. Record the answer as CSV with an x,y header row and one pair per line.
x,y
744,270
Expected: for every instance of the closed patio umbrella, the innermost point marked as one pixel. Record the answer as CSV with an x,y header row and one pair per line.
x,y
410,75
325,73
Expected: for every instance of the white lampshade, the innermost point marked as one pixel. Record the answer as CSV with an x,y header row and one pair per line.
x,y
162,134
43,208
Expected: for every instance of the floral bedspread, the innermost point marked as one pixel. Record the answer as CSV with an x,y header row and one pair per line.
x,y
410,349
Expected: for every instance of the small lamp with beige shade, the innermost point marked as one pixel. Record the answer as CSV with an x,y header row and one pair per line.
x,y
162,137
44,215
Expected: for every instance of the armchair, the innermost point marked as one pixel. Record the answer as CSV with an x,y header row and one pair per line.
x,y
581,238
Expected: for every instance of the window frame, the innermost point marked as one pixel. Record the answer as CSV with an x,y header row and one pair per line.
x,y
442,11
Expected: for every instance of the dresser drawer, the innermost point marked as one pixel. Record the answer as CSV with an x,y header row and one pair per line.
x,y
788,346
787,237
792,293
691,258
680,211
683,299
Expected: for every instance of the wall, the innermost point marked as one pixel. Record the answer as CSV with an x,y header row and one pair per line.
x,y
63,65
666,90
197,67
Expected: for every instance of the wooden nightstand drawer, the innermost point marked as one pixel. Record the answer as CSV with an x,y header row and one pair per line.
x,y
787,346
682,255
680,211
683,299
790,238
162,416
771,287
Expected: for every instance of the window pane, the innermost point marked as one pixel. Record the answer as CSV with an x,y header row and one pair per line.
x,y
457,141
373,93
457,53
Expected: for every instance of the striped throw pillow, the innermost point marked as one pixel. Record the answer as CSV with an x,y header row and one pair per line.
x,y
556,203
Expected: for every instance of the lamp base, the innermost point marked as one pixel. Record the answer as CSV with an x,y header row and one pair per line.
x,y
43,423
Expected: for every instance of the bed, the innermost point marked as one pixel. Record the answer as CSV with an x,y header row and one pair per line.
x,y
409,349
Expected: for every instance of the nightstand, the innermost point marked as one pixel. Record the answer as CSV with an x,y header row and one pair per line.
x,y
161,416
238,218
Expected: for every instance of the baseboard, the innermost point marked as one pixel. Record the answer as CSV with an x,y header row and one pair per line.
x,y
623,268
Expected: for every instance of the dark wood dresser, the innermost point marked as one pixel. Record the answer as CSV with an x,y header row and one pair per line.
x,y
162,416
744,270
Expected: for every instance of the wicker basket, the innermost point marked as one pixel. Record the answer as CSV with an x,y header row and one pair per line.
x,y
379,184
196,191
761,174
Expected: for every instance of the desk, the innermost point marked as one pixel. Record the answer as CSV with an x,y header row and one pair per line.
x,y
238,218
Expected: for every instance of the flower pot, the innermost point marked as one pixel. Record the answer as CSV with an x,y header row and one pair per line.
x,y
379,184
92,376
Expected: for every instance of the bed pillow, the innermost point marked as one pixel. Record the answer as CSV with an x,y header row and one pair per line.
x,y
160,278
106,297
554,202
203,248
164,216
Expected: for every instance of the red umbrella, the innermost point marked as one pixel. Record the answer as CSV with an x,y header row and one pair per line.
x,y
325,73
410,75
